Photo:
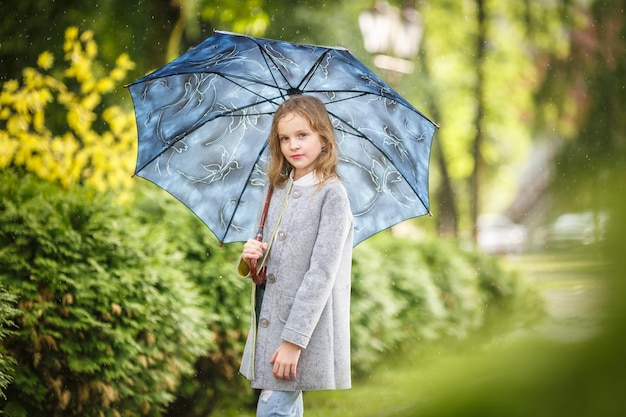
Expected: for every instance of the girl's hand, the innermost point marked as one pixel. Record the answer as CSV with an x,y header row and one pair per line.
x,y
285,360
253,249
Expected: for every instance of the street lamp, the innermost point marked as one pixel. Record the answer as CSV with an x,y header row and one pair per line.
x,y
392,35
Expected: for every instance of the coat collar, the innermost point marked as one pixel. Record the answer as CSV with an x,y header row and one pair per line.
x,y
306,181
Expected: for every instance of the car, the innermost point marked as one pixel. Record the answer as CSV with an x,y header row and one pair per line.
x,y
498,234
576,229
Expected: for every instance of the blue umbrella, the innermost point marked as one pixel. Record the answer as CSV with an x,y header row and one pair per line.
x,y
203,122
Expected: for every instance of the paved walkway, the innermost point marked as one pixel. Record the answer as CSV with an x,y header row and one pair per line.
x,y
573,291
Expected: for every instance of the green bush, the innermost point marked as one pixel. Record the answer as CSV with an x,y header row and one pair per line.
x,y
407,292
225,301
7,313
107,324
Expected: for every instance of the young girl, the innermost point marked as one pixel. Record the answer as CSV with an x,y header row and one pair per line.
x,y
300,335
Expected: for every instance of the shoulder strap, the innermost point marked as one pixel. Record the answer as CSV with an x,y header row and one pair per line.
x,y
259,277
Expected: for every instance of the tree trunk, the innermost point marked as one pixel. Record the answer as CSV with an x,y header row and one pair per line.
x,y
447,215
447,219
479,120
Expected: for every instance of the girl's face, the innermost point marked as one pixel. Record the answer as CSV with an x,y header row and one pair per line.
x,y
300,145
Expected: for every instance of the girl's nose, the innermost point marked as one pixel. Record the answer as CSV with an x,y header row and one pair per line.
x,y
293,144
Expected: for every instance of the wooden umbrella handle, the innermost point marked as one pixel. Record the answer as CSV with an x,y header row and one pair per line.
x,y
259,276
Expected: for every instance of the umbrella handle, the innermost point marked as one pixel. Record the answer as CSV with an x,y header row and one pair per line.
x,y
259,276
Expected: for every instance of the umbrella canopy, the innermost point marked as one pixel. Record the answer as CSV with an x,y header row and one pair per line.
x,y
203,122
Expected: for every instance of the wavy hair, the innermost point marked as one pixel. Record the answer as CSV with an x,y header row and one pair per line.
x,y
314,112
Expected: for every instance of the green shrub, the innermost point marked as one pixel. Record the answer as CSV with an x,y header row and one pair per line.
x,y
107,325
407,292
7,313
225,300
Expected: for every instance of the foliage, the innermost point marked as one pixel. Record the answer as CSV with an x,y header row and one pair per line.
x,y
151,31
582,86
107,324
557,370
410,292
225,300
55,125
247,16
138,29
519,37
7,313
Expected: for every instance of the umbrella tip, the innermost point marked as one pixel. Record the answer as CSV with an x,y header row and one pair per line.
x,y
430,214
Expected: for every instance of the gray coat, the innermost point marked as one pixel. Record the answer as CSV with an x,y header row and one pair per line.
x,y
307,295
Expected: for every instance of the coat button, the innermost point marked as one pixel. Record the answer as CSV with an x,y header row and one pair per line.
x,y
264,322
296,193
271,278
282,235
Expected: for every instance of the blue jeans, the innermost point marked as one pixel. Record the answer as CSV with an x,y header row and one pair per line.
x,y
280,404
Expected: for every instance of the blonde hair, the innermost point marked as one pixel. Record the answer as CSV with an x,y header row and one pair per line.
x,y
314,112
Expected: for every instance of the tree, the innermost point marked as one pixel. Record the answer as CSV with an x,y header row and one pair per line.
x,y
485,73
581,94
246,16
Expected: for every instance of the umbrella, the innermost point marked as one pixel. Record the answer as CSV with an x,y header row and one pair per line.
x,y
203,121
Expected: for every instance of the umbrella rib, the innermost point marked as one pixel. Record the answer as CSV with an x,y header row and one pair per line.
x,y
356,132
305,80
232,217
229,112
232,77
267,56
232,80
365,93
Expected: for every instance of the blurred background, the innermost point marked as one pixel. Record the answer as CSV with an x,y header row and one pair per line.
x,y
507,302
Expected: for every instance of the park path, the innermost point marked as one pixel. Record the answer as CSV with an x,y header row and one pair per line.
x,y
573,289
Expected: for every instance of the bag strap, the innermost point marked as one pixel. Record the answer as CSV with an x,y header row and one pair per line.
x,y
258,273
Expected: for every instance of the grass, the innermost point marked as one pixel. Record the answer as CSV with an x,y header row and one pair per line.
x,y
380,392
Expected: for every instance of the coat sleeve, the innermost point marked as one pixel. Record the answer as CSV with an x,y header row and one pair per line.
x,y
333,234
243,269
